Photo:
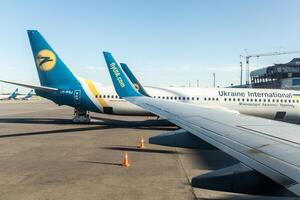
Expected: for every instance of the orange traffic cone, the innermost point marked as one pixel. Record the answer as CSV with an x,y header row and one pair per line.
x,y
141,145
125,161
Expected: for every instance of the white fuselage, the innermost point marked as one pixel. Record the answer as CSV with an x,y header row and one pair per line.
x,y
267,103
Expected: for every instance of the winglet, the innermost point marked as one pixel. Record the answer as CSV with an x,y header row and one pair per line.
x,y
134,80
123,86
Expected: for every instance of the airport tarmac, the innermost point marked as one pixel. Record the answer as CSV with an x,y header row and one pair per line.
x,y
44,156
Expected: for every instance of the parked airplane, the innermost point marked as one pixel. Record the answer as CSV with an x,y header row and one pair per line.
x,y
268,150
25,97
63,87
9,96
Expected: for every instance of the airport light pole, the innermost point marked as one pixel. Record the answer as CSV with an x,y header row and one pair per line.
x,y
214,74
241,78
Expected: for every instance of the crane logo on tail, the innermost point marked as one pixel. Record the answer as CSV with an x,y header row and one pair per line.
x,y
45,60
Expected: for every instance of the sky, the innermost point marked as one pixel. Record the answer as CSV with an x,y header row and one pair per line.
x,y
165,43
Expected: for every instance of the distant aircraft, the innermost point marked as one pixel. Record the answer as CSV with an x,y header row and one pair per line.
x,y
63,87
11,96
268,150
27,96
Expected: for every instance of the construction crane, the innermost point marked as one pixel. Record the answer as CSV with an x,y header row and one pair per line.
x,y
276,53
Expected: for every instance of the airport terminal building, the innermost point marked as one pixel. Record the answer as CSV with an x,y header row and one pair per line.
x,y
285,76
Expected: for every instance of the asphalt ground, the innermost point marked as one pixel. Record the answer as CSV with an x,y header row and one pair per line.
x,y
44,156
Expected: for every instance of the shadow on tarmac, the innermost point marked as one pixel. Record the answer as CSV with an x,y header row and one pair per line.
x,y
101,163
127,148
94,125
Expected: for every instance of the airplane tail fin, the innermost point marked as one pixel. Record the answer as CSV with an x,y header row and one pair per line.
x,y
14,94
122,84
29,93
134,80
51,70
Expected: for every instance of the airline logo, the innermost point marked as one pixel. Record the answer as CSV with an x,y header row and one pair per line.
x,y
137,87
117,74
45,60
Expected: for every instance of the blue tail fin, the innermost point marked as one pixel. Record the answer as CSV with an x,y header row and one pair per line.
x,y
134,80
14,94
29,94
52,71
123,86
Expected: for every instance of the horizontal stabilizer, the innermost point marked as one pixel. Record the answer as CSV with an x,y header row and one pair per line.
x,y
41,88
180,138
239,179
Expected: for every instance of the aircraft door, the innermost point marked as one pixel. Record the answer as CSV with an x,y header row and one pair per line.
x,y
77,95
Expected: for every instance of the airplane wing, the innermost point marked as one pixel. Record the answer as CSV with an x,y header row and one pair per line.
x,y
41,88
271,148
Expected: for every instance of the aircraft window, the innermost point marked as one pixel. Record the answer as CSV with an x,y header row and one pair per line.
x,y
273,100
238,99
229,99
255,100
175,98
192,98
217,99
297,101
247,100
259,100
251,100
264,100
213,98
285,100
197,98
268,100
233,99
293,101
225,99
289,101
277,100
108,96
188,98
96,96
179,98
171,98
281,100
154,97
100,96
167,97
104,96
243,99
183,98
204,98
158,97
208,98
163,97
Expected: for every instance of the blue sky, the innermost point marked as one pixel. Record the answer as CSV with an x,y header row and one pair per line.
x,y
164,42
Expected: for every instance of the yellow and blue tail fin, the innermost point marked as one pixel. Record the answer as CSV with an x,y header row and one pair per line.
x,y
123,86
51,70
